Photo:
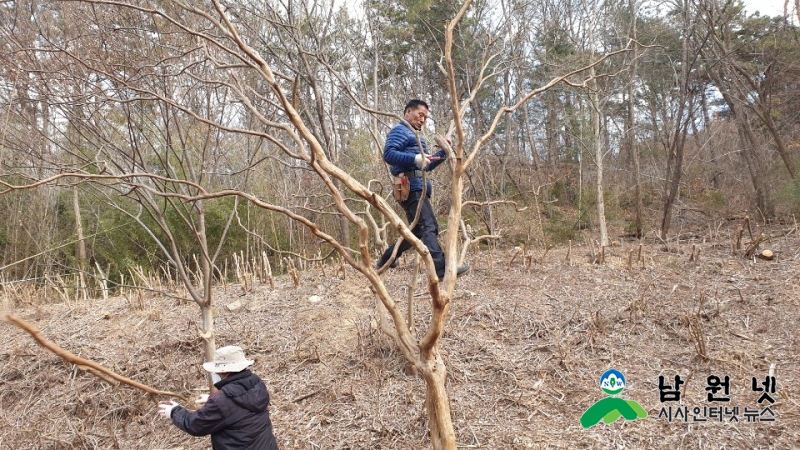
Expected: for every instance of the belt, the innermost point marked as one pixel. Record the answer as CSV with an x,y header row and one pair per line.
x,y
413,174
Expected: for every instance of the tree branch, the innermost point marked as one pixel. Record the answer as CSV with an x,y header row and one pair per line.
x,y
83,363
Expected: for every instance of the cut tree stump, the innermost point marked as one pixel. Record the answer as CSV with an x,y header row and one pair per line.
x,y
766,255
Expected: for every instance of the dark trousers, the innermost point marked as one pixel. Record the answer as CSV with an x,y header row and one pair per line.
x,y
427,231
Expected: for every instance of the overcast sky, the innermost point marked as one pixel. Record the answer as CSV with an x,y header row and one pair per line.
x,y
768,7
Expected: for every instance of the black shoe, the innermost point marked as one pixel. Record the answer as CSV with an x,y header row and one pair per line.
x,y
460,271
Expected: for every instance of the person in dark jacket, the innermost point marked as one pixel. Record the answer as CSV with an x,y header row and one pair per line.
x,y
237,415
401,151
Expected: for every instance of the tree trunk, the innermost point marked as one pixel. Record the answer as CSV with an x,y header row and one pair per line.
x,y
80,245
531,140
755,166
678,138
631,124
781,147
597,142
207,304
207,335
672,183
674,172
552,129
437,404
344,224
797,9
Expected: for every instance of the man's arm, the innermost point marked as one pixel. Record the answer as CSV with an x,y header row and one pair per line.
x,y
436,159
206,420
395,150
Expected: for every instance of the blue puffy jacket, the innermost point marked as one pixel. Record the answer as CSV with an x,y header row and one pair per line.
x,y
399,152
236,416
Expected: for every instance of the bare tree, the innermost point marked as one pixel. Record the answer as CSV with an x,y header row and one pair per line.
x,y
737,86
675,141
630,121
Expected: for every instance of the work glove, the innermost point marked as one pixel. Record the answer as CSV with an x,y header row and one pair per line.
x,y
201,401
421,161
165,409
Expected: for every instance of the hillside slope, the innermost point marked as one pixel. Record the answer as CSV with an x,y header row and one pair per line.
x,y
525,348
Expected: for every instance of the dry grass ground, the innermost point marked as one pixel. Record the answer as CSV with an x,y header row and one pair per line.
x,y
525,347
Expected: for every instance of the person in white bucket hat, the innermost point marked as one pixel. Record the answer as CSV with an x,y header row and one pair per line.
x,y
237,415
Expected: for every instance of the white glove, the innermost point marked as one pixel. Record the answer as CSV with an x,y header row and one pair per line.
x,y
201,401
421,161
165,409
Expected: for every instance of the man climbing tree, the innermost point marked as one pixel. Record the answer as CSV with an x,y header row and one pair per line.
x,y
407,153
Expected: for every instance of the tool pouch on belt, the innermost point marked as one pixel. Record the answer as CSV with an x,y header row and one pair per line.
x,y
401,187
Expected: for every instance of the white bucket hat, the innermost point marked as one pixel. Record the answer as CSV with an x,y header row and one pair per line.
x,y
228,359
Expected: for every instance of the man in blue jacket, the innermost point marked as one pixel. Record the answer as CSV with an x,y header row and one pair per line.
x,y
237,415
402,153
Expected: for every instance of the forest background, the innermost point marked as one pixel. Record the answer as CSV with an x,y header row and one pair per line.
x,y
163,148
